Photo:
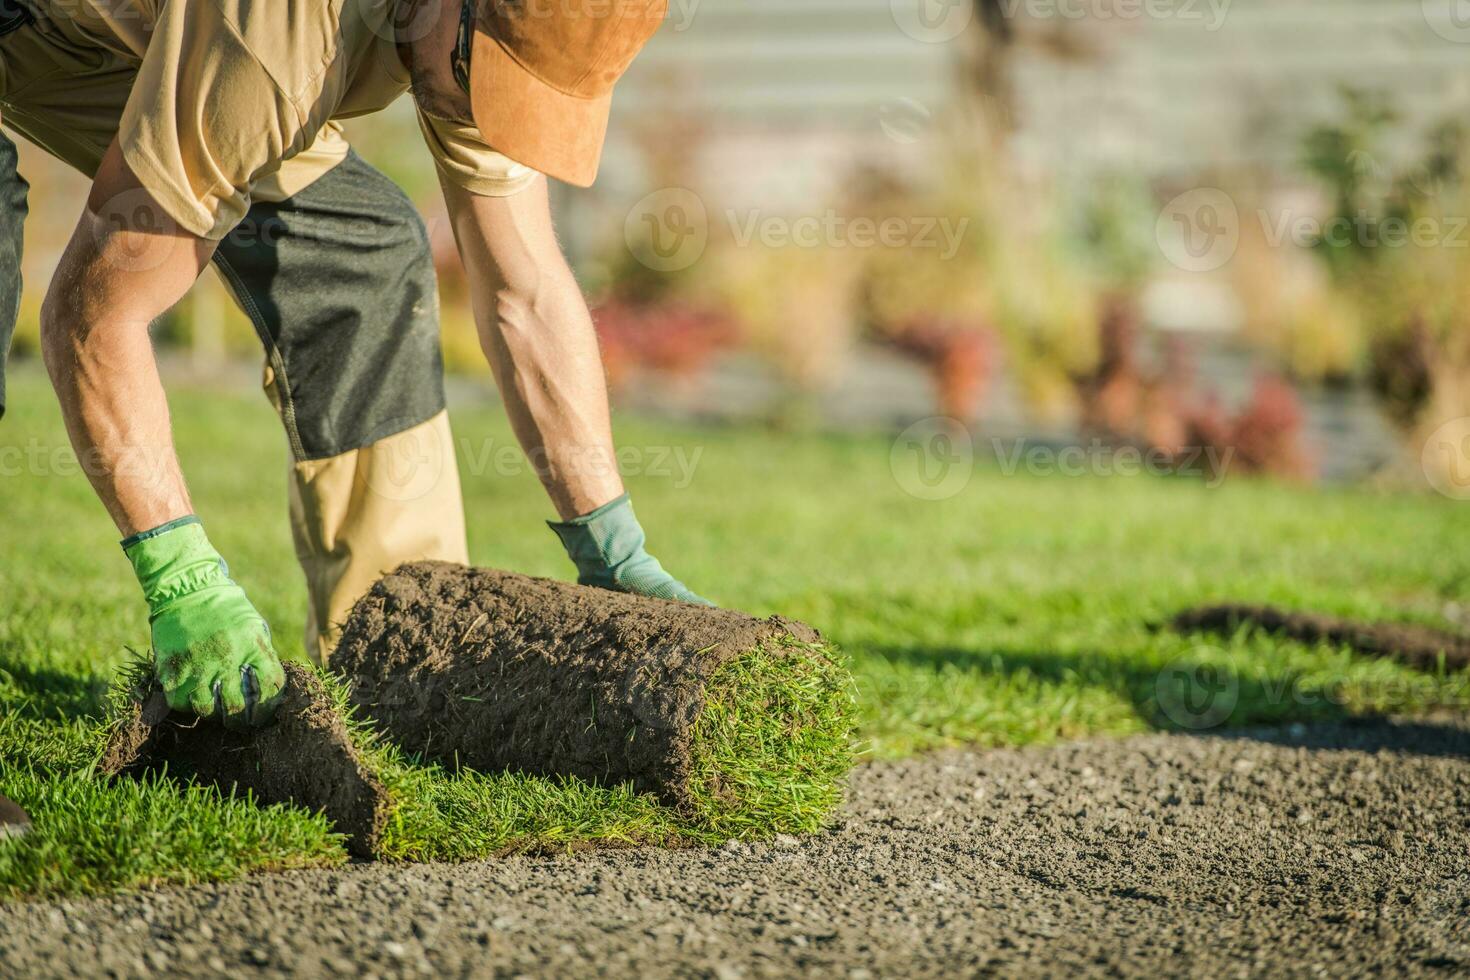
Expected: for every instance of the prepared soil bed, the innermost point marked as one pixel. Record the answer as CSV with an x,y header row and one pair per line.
x,y
1306,851
740,724
1418,646
306,757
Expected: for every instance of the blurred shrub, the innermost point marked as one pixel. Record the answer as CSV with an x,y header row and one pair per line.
x,y
1406,263
931,300
671,337
1263,438
792,305
1294,310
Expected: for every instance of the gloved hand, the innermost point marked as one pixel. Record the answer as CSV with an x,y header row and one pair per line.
x,y
607,548
212,651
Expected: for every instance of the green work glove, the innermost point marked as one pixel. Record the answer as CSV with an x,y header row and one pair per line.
x,y
607,548
211,650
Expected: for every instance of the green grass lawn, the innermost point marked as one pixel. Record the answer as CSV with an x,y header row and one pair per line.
x,y
1018,610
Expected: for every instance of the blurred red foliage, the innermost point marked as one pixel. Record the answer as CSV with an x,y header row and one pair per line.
x,y
1122,403
671,337
960,358
1266,432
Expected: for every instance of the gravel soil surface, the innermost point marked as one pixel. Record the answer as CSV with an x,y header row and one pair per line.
x,y
1337,849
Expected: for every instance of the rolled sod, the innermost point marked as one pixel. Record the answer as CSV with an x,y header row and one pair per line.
x,y
307,756
742,725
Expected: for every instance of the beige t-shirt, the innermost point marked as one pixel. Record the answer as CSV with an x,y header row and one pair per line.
x,y
227,92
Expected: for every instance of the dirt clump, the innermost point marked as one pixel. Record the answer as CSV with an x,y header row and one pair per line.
x,y
1418,646
306,756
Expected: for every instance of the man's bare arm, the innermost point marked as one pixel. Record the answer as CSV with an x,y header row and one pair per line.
x,y
127,263
538,337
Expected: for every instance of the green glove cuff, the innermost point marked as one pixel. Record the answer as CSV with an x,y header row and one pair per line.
x,y
607,546
174,560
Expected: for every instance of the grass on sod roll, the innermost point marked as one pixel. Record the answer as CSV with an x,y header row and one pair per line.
x,y
1016,611
773,743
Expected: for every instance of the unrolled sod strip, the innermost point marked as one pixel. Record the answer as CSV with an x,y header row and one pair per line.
x,y
307,756
742,724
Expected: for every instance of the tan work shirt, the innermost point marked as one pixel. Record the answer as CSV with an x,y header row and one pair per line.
x,y
217,103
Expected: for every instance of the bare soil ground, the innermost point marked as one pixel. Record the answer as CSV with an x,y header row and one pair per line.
x,y
1339,849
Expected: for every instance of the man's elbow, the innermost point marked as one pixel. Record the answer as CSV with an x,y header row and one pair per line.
x,y
71,317
58,332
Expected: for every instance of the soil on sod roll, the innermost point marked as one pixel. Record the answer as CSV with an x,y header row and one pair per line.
x,y
1418,646
742,724
306,756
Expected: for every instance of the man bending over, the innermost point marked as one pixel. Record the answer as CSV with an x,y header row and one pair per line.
x,y
210,130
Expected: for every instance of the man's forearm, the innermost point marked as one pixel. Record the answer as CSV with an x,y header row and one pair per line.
x,y
539,340
116,416
112,282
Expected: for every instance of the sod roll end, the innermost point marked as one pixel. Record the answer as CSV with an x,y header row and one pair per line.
x,y
308,756
744,725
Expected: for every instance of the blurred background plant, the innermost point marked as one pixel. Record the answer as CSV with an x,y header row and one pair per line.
x,y
1041,140
927,299
1399,257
